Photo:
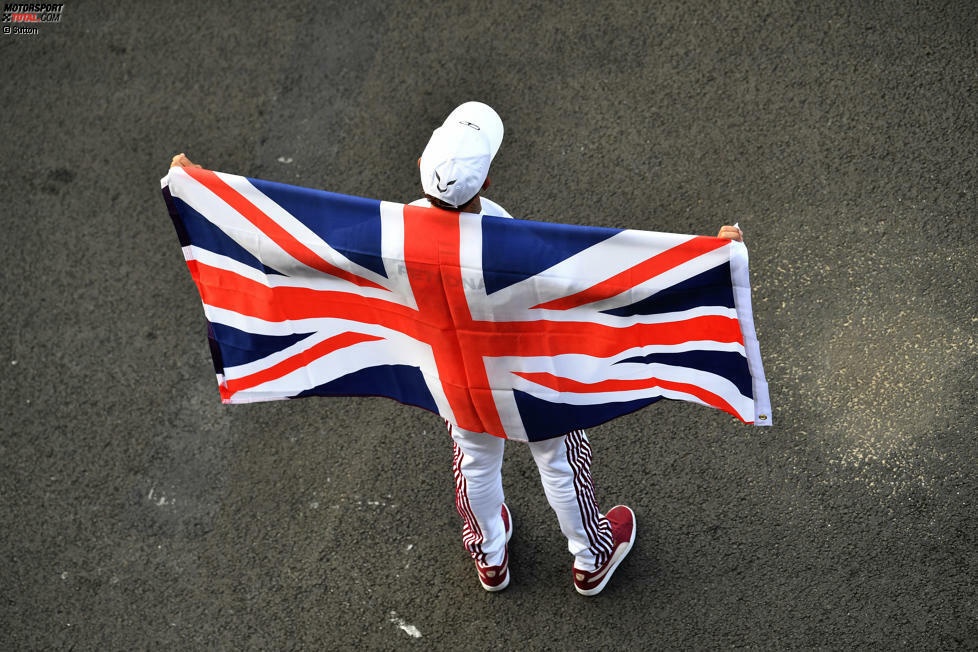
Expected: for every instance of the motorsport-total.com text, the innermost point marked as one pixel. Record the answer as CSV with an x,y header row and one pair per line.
x,y
30,12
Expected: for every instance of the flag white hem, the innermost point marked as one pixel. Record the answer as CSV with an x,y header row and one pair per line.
x,y
740,278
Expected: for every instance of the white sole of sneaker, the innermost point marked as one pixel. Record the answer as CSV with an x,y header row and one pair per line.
x,y
616,559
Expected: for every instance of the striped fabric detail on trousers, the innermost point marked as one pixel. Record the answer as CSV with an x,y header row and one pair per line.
x,y
597,528
472,537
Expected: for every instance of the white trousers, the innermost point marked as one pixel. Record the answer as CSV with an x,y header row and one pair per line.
x,y
565,471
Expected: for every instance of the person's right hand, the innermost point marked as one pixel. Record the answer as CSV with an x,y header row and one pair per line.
x,y
731,233
181,161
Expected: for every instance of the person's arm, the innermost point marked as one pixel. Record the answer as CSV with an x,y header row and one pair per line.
x,y
181,161
731,233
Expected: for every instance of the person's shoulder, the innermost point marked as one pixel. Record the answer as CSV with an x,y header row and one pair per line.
x,y
490,207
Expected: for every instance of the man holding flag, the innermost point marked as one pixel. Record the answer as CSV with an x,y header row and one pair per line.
x,y
454,171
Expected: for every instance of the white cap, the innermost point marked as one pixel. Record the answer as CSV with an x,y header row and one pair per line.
x,y
456,161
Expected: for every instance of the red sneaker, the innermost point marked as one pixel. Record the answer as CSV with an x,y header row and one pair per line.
x,y
496,578
622,521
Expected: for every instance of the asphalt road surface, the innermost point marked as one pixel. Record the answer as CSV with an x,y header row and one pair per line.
x,y
138,512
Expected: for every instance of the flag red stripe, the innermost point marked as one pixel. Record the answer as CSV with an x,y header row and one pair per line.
x,y
297,361
225,289
546,338
272,229
567,385
431,242
640,273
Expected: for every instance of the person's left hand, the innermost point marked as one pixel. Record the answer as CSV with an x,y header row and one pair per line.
x,y
731,233
181,161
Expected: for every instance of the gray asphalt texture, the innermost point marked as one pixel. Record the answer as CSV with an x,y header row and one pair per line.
x,y
139,513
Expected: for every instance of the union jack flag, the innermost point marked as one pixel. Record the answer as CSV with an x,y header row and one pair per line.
x,y
521,329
